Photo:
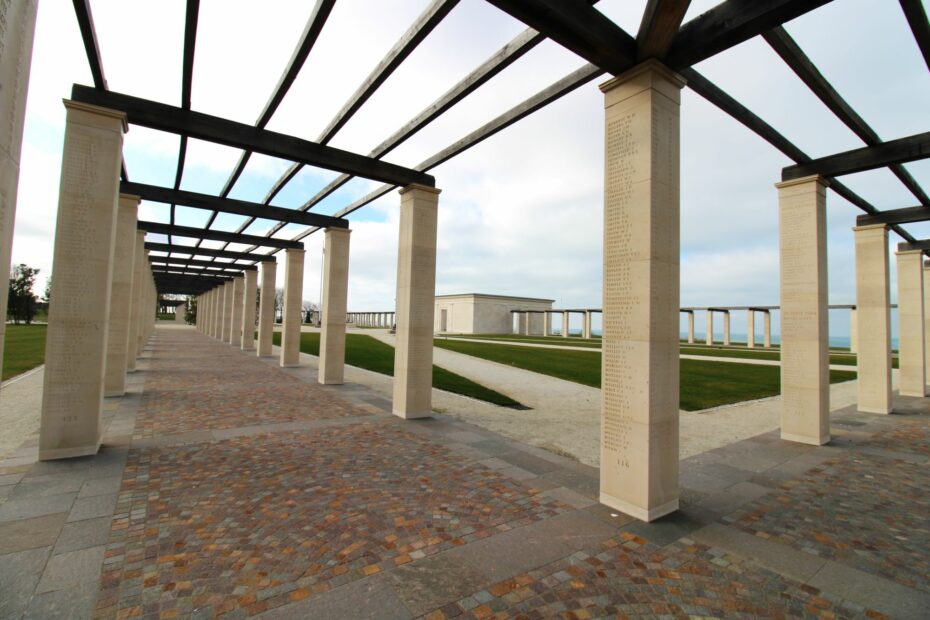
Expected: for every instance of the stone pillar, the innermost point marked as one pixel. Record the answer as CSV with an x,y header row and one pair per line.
x,y
853,329
416,294
927,320
266,308
767,329
335,296
709,338
547,323
76,342
205,311
911,373
874,305
293,296
586,326
19,20
135,309
124,249
249,309
726,328
147,307
180,313
235,328
805,374
691,327
751,329
639,406
565,324
226,328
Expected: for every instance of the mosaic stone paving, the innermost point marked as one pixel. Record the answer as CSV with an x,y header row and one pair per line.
x,y
911,436
850,509
256,522
628,577
212,386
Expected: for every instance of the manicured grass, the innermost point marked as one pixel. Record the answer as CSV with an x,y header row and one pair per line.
x,y
23,349
571,341
370,354
703,384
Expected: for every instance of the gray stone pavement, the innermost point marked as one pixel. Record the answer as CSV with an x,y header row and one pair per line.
x,y
758,533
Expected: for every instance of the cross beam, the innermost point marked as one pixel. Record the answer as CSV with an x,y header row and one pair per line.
x,y
229,205
216,235
215,271
189,249
898,151
921,244
908,215
198,125
659,26
199,263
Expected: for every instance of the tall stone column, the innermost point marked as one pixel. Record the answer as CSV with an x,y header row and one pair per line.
x,y
565,324
335,297
726,327
586,327
203,311
19,21
79,313
709,338
146,307
690,327
235,328
873,307
911,358
218,309
853,330
266,308
547,320
293,297
124,250
767,330
640,367
416,294
135,309
249,310
228,296
805,374
927,320
751,330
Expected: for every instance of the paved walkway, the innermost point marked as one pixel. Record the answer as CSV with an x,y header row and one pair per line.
x,y
230,487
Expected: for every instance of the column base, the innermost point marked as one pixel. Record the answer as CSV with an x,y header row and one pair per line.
x,y
638,512
249,349
290,365
413,415
811,441
914,393
114,394
69,453
875,410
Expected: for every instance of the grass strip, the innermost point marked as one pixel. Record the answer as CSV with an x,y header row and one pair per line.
x,y
703,384
366,352
23,349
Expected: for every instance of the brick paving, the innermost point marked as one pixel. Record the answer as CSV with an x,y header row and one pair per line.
x,y
305,501
852,509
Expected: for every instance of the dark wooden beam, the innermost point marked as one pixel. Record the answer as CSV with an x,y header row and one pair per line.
x,y
230,205
308,39
908,215
923,245
182,262
187,249
216,235
579,27
659,26
85,21
917,20
898,151
780,41
163,117
730,23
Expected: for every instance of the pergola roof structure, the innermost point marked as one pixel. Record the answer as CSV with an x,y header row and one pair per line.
x,y
575,24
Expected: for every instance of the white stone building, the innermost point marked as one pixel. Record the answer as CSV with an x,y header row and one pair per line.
x,y
475,313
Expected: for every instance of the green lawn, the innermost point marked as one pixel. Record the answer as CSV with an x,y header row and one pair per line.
x,y
703,384
23,350
571,341
370,354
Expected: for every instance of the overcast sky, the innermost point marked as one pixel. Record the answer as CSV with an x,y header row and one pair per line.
x,y
521,213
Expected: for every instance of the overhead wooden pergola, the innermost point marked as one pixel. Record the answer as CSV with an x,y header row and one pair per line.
x,y
575,24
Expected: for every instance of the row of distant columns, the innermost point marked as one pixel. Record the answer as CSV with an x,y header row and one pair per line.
x,y
525,328
371,319
751,327
103,299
